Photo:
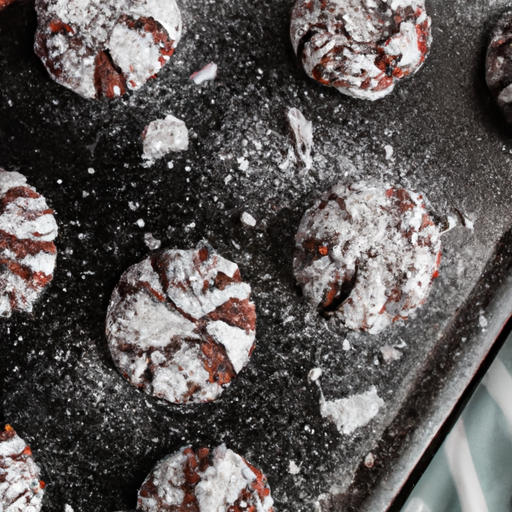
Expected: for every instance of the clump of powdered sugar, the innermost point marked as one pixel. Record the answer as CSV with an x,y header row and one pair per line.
x,y
27,231
353,412
209,72
20,487
215,482
366,254
180,325
164,136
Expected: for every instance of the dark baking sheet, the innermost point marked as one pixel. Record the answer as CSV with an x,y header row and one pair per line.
x,y
94,436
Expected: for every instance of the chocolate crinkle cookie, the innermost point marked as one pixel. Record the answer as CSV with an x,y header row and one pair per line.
x,y
5,3
367,253
102,47
27,251
361,47
20,487
180,324
498,65
204,481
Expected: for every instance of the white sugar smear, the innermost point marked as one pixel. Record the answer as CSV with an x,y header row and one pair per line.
x,y
353,412
164,136
303,133
209,72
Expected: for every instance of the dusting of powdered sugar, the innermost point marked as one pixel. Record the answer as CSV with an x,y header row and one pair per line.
x,y
186,318
164,136
367,254
214,482
361,47
139,36
20,487
27,251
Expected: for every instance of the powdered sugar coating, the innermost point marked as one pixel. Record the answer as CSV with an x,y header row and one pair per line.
x,y
367,254
101,47
20,487
27,251
361,47
198,480
180,325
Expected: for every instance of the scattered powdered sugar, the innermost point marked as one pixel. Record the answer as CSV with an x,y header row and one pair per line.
x,y
215,482
180,324
361,47
366,254
102,47
209,72
353,412
164,136
303,134
27,251
20,487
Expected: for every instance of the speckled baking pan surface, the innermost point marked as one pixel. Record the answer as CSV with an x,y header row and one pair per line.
x,y
95,437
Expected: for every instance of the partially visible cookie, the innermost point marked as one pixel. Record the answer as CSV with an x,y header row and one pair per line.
x,y
180,324
21,490
367,254
27,251
5,3
360,47
102,47
204,481
498,65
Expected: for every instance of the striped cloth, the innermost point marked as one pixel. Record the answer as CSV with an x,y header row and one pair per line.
x,y
472,472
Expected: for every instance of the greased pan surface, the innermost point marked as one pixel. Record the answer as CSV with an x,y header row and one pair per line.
x,y
95,437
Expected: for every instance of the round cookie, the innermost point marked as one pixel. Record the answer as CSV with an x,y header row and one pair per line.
x,y
180,324
20,487
102,47
367,254
360,47
27,251
498,65
204,481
